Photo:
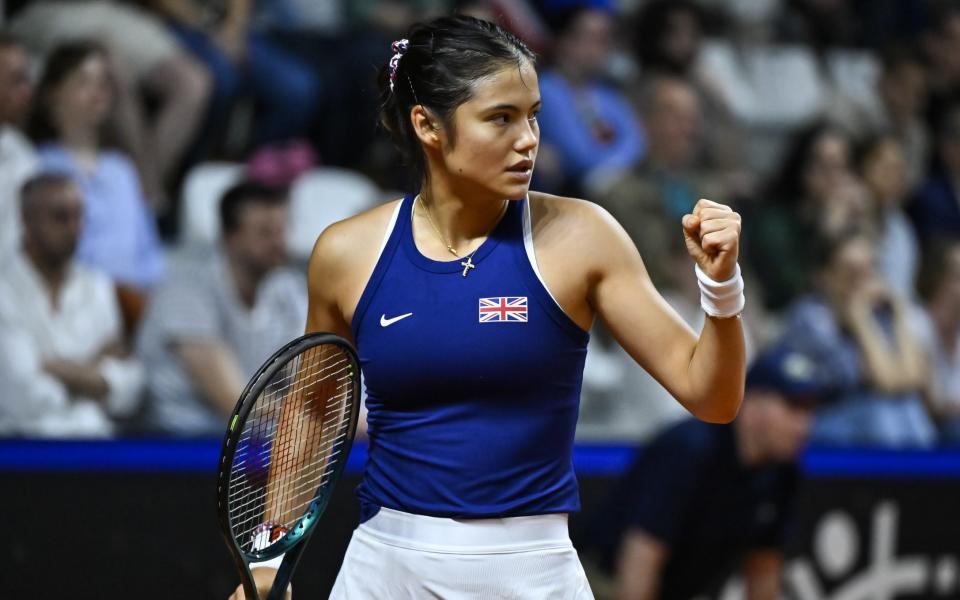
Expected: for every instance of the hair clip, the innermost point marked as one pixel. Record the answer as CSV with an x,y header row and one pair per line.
x,y
399,47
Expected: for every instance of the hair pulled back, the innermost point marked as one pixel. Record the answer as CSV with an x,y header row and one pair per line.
x,y
443,60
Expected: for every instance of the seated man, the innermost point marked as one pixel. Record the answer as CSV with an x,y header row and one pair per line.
x,y
703,499
212,323
18,159
61,370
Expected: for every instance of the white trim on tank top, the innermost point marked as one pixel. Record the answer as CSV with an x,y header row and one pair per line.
x,y
390,226
528,246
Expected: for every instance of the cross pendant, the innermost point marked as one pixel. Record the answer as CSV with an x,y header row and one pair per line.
x,y
467,265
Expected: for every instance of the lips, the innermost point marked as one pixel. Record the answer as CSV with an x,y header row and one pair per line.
x,y
521,167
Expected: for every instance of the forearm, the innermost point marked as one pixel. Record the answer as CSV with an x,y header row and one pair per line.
x,y
716,370
881,366
639,566
83,380
762,575
238,16
184,12
213,370
911,356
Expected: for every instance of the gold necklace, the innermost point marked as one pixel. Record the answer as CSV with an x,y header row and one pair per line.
x,y
468,263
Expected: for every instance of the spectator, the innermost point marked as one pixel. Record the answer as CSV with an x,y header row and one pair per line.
x,y
940,45
883,167
589,125
668,41
653,196
703,500
902,88
815,191
17,157
859,332
213,322
245,62
935,209
938,329
144,57
69,124
63,372
774,89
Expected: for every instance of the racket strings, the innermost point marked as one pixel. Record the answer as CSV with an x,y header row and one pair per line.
x,y
290,443
266,452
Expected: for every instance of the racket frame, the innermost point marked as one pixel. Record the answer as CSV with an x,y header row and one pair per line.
x,y
291,545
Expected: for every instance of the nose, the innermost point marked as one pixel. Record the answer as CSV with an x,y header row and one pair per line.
x,y
529,138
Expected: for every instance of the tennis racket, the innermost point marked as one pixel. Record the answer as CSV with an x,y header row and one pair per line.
x,y
285,448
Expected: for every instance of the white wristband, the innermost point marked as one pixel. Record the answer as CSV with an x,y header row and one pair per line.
x,y
721,298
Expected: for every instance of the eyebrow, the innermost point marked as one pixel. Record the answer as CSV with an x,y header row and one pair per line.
x,y
511,107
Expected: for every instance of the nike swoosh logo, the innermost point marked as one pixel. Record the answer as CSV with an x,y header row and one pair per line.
x,y
385,322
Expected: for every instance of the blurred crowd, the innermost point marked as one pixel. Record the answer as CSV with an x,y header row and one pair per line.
x,y
832,126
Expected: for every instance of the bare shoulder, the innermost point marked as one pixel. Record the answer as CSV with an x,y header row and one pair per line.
x,y
572,219
345,255
353,241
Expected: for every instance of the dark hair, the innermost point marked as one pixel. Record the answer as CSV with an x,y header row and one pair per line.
x,y
651,29
934,265
9,40
444,59
62,62
563,20
38,183
243,194
898,54
865,149
825,246
787,185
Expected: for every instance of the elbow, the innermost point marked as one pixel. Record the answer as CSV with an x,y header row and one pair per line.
x,y
718,410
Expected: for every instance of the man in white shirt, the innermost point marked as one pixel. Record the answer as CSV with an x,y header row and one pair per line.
x,y
212,322
61,371
17,157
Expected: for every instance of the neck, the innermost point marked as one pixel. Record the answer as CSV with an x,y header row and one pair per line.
x,y
461,219
79,140
748,449
53,273
245,280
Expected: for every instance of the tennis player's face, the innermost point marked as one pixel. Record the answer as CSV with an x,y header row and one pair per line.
x,y
497,134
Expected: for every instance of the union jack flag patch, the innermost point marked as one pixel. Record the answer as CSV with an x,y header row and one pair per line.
x,y
504,308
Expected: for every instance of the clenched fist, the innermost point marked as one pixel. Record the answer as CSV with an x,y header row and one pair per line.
x,y
712,234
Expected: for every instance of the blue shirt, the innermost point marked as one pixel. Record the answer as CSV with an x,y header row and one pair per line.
x,y
473,383
689,490
859,414
119,234
935,209
592,127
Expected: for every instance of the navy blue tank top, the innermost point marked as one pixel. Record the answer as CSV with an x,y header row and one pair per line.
x,y
473,383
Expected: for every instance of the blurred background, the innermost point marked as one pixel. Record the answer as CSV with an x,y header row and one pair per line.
x,y
166,165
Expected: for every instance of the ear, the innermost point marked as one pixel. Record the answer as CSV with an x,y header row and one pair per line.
x,y
425,126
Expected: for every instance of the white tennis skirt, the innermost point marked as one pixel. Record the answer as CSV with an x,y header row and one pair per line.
x,y
399,556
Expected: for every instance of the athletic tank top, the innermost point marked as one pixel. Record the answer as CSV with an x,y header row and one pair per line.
x,y
473,383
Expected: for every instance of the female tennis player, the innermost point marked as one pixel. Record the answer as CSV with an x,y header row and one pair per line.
x,y
469,304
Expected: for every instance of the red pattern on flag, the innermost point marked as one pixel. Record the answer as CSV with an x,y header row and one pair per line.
x,y
503,309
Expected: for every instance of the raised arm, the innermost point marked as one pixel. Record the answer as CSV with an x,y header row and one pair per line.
x,y
705,374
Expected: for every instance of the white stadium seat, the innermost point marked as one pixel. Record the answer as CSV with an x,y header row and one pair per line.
x,y
200,211
323,196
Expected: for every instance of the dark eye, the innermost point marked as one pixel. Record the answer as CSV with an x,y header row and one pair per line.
x,y
534,116
500,119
